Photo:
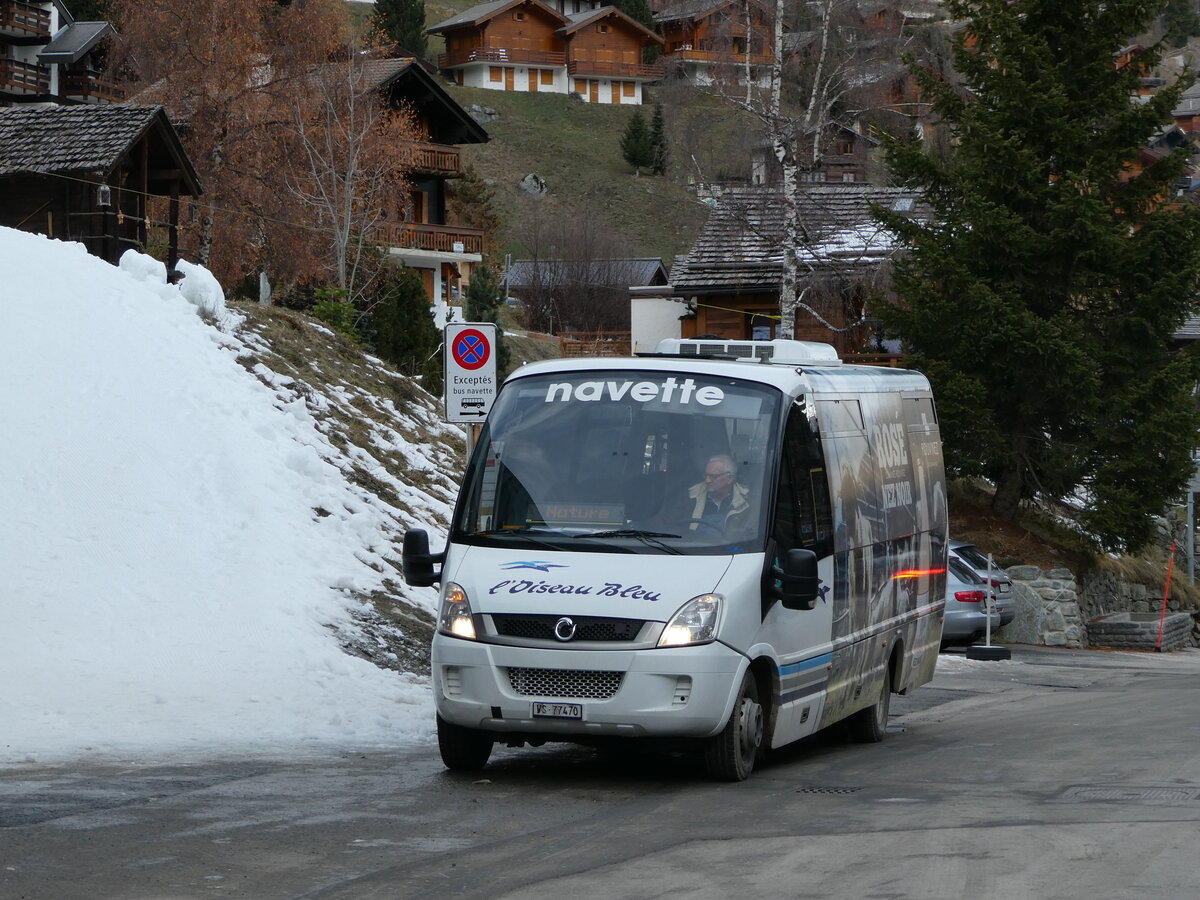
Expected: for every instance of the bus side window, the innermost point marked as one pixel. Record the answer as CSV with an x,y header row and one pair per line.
x,y
802,514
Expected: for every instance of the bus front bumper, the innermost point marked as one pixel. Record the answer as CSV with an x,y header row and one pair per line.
x,y
677,692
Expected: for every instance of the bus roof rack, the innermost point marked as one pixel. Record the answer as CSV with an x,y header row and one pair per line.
x,y
778,352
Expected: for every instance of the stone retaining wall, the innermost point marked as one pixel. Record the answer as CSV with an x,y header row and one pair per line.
x,y
1053,610
1048,610
1141,631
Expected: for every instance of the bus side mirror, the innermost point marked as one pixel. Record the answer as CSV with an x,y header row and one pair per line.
x,y
418,561
797,582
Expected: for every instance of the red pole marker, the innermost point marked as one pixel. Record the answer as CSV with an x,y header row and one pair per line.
x,y
1166,590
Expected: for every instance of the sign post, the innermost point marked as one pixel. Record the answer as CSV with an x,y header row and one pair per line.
x,y
470,382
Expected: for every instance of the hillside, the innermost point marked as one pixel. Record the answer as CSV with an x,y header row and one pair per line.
x,y
575,147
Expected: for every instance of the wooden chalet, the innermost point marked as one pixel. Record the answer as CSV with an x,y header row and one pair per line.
x,y
604,53
707,40
1187,113
882,18
731,276
85,172
528,45
845,156
440,251
48,57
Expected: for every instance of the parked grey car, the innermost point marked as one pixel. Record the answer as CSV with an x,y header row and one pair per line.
x,y
966,615
1002,589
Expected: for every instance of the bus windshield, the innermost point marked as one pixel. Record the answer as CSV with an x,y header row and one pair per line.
x,y
624,461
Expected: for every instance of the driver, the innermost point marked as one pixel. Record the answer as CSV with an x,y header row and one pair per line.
x,y
720,501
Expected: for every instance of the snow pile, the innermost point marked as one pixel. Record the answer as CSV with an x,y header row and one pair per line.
x,y
174,549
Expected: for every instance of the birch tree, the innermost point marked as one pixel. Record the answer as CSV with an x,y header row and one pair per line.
x,y
809,96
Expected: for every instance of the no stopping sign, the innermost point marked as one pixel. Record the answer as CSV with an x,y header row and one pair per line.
x,y
470,357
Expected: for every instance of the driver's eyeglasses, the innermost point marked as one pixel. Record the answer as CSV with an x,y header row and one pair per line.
x,y
709,476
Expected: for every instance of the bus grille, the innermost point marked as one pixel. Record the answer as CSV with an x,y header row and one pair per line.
x,y
587,628
572,683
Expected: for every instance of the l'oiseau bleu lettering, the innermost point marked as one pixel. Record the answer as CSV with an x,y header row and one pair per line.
x,y
609,589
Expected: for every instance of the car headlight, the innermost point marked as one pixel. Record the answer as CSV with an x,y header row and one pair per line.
x,y
456,613
695,623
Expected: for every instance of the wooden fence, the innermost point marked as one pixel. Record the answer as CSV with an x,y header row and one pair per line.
x,y
596,343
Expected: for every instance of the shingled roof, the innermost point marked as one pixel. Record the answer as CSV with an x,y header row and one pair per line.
x,y
640,271
80,138
739,249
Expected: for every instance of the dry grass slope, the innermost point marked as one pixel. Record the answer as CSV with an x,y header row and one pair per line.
x,y
384,432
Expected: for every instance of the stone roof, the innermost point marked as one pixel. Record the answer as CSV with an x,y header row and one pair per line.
x,y
739,249
1189,330
624,272
1189,102
79,138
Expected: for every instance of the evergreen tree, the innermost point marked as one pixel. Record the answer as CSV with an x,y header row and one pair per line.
x,y
1042,295
640,12
401,322
482,304
1181,20
658,142
473,202
89,10
635,142
402,22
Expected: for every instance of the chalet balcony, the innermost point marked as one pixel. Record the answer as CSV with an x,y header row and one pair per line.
x,y
437,159
717,56
436,238
90,88
502,55
24,20
585,68
18,77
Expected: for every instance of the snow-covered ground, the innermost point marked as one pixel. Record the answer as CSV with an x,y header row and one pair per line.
x,y
167,589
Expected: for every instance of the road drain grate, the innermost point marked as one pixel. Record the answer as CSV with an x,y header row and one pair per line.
x,y
1132,793
825,789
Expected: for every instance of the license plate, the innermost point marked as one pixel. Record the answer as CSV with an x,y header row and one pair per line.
x,y
558,710
1003,588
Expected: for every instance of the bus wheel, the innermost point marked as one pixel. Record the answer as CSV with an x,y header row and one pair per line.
x,y
463,749
730,755
868,726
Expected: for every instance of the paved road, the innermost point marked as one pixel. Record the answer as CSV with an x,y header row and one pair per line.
x,y
1062,775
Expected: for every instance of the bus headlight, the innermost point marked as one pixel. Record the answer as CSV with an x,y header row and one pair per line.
x,y
695,623
456,613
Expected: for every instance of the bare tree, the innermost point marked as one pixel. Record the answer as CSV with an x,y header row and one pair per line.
x,y
351,152
298,156
578,275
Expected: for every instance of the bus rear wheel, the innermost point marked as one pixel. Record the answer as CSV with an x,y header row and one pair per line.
x,y
731,754
868,726
463,749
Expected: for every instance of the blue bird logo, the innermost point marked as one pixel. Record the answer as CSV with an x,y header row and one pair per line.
x,y
537,564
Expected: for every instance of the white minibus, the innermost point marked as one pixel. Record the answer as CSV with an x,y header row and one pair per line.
x,y
722,546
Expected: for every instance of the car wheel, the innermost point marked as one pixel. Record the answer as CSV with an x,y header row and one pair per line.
x,y
868,726
731,754
463,749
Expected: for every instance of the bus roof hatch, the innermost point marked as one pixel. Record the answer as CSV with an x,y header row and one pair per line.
x,y
789,353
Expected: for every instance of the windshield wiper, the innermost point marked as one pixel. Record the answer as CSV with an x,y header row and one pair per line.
x,y
646,537
543,537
